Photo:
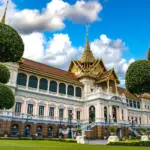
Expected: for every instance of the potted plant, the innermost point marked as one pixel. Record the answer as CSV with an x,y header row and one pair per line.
x,y
112,130
79,131
143,130
5,134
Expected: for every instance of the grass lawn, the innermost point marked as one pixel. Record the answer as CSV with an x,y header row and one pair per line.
x,y
50,145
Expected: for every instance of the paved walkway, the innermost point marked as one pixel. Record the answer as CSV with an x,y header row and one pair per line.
x,y
101,142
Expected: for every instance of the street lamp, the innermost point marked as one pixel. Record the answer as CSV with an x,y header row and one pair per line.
x,y
70,123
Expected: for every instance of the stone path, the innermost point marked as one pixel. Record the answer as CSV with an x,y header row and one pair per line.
x,y
101,142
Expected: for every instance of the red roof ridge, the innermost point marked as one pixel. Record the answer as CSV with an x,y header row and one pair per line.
x,y
48,68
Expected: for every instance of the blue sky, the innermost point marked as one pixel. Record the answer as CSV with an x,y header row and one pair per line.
x,y
125,19
120,37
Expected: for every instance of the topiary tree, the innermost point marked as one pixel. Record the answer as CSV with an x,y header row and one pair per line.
x,y
4,74
11,50
7,98
148,57
11,44
138,77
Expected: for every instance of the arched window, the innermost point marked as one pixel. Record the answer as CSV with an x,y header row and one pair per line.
x,y
91,114
14,130
70,90
53,86
33,81
39,131
78,92
105,114
43,84
50,132
22,79
27,131
114,114
62,88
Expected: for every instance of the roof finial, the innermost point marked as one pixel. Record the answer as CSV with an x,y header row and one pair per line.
x,y
87,46
4,16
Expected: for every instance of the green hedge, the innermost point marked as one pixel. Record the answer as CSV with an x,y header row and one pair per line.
x,y
4,74
34,138
130,143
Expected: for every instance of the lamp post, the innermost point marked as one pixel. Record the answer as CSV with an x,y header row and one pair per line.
x,y
70,124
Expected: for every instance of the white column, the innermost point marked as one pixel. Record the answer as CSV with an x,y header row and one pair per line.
x,y
66,89
27,81
57,87
74,91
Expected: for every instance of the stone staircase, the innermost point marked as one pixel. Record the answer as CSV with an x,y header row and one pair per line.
x,y
134,131
87,126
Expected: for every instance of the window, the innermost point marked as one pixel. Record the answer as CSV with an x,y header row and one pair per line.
x,y
18,107
138,105
22,79
41,110
130,101
78,92
51,112
136,120
62,88
61,113
70,90
43,84
148,106
134,103
105,114
145,106
53,86
33,81
78,115
140,120
30,109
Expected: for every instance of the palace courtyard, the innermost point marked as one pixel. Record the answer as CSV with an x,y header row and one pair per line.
x,y
46,145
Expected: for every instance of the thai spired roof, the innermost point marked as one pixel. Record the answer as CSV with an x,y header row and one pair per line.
x,y
4,16
49,71
106,76
127,94
87,56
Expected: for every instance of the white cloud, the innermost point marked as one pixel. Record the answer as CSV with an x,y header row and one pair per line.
x,y
59,51
34,46
53,16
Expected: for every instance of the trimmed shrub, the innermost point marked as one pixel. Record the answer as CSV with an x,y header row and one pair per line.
x,y
130,143
4,74
11,44
138,77
7,98
148,57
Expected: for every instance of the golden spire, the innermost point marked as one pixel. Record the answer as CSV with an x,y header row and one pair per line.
x,y
4,16
87,55
87,46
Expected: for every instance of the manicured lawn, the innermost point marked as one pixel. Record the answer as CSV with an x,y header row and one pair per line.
x,y
50,145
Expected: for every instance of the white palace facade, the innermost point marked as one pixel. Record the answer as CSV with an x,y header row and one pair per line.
x,y
45,96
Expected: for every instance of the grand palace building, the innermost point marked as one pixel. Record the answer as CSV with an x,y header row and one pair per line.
x,y
46,96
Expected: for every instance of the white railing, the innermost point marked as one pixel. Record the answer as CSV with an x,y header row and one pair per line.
x,y
46,92
28,117
100,93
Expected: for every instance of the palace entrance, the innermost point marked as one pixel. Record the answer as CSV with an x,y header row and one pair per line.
x,y
91,114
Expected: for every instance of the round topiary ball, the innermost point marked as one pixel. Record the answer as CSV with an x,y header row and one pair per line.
x,y
7,98
138,77
11,44
4,74
148,54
